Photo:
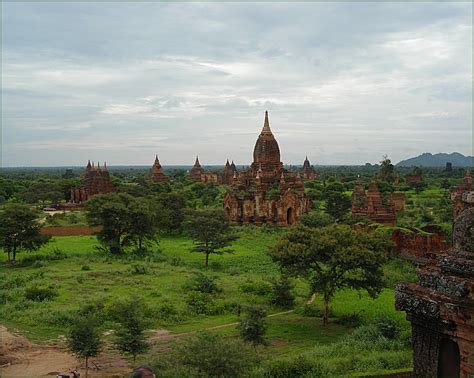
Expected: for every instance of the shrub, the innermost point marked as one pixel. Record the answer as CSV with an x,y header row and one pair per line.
x,y
40,294
258,287
388,328
281,293
214,355
199,303
351,320
85,267
39,264
253,327
203,283
312,310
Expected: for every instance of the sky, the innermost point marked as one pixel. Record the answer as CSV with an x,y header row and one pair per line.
x,y
344,83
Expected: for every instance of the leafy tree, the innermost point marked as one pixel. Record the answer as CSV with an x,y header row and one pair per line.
x,y
210,230
174,204
124,219
337,202
43,191
20,230
387,170
419,186
333,258
131,325
252,328
445,184
316,219
84,339
214,355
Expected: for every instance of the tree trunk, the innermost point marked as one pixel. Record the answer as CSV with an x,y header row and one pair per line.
x,y
9,255
14,254
87,367
326,311
207,260
140,244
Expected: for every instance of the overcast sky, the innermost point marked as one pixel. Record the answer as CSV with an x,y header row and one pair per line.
x,y
344,83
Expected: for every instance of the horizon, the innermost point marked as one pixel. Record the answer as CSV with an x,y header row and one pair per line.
x,y
344,82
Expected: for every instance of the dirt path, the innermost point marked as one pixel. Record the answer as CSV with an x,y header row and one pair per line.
x,y
20,357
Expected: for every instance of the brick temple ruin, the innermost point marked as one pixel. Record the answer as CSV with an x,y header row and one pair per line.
x,y
225,177
440,306
157,174
308,171
96,180
266,192
372,206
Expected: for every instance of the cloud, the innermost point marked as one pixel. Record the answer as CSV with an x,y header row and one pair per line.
x,y
344,82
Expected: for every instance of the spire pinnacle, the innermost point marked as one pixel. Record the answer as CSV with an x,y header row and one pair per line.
x,y
266,125
196,163
105,166
156,159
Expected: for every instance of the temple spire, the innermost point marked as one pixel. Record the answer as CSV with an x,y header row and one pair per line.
x,y
157,161
196,163
266,125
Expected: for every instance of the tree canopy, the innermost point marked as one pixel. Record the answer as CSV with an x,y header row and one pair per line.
x,y
20,229
333,258
210,230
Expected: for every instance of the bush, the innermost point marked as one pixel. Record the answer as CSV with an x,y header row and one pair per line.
x,y
39,264
312,310
200,303
214,355
85,268
281,293
351,320
40,294
203,283
388,328
316,219
259,287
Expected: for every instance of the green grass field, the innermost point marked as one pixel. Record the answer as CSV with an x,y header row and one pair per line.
x,y
79,274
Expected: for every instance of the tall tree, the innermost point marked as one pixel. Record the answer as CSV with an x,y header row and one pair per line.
x,y
124,219
338,202
43,191
131,323
252,328
84,339
210,230
387,170
333,258
20,230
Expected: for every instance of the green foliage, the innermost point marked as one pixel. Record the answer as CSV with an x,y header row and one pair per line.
x,y
20,230
124,220
296,367
213,355
316,219
84,339
175,205
338,202
333,258
387,170
40,294
210,230
252,328
43,191
138,268
130,336
203,283
258,287
281,292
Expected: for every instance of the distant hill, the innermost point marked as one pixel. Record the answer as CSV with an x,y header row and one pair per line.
x,y
437,160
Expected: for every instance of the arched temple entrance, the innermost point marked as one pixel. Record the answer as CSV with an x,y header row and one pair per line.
x,y
448,359
290,216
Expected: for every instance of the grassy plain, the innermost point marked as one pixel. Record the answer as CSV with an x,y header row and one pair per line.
x,y
78,273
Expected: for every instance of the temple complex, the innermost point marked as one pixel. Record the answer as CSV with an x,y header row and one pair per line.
x,y
308,171
371,206
266,192
440,306
96,180
197,173
157,173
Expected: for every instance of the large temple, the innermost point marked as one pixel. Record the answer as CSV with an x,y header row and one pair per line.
x,y
96,180
157,173
266,192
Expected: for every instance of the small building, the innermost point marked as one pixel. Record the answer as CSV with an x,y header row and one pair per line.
x,y
371,205
308,171
225,177
157,174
